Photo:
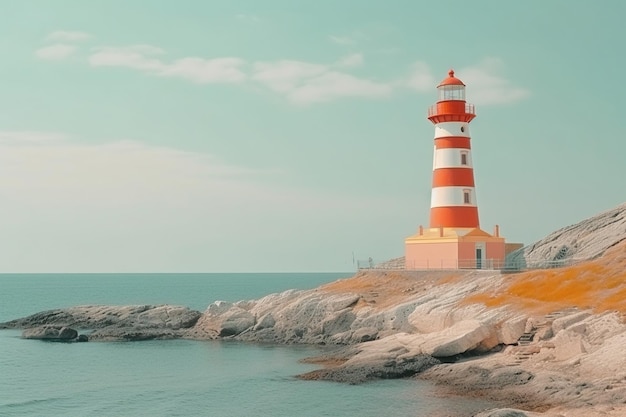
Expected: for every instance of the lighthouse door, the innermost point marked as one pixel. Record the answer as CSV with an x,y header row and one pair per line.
x,y
479,258
480,255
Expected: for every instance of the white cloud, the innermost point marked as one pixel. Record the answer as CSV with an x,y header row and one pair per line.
x,y
353,60
139,57
55,52
421,78
67,36
218,70
486,85
306,83
143,58
300,81
285,75
332,85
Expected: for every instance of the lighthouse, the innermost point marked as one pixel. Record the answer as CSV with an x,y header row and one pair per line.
x,y
454,239
453,197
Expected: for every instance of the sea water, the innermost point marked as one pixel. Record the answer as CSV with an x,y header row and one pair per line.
x,y
181,377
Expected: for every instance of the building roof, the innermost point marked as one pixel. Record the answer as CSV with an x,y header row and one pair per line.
x,y
451,80
452,234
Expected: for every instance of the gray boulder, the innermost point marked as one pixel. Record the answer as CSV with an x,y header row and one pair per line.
x,y
227,319
459,338
50,332
236,322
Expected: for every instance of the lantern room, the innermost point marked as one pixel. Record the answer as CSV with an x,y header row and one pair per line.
x,y
451,88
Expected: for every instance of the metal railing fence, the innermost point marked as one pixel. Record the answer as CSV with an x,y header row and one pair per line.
x,y
484,264
434,110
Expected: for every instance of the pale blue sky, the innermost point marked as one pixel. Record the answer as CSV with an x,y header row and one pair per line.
x,y
147,136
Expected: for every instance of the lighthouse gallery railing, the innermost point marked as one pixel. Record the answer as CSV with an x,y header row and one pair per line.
x,y
433,110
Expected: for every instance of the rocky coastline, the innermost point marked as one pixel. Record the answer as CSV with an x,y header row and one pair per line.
x,y
544,342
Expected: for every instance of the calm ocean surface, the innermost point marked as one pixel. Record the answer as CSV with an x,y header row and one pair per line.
x,y
179,377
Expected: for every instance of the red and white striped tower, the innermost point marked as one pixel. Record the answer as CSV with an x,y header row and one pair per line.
x,y
453,198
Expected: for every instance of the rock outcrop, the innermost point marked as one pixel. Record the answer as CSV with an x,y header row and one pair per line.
x,y
139,322
586,240
313,317
342,314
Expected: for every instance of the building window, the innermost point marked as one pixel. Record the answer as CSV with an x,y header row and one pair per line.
x,y
467,197
463,158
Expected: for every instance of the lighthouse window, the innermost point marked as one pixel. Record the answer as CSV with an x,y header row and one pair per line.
x,y
452,92
463,158
462,128
466,197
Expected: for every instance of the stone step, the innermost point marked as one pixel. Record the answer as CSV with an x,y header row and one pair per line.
x,y
525,339
560,313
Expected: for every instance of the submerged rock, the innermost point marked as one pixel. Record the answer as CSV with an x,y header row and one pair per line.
x,y
363,372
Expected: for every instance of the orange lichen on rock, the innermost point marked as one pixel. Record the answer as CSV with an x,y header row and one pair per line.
x,y
380,289
599,285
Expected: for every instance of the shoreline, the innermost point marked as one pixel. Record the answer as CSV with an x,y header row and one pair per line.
x,y
541,384
549,342
461,352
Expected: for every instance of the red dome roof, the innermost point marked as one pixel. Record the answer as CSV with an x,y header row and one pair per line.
x,y
451,80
